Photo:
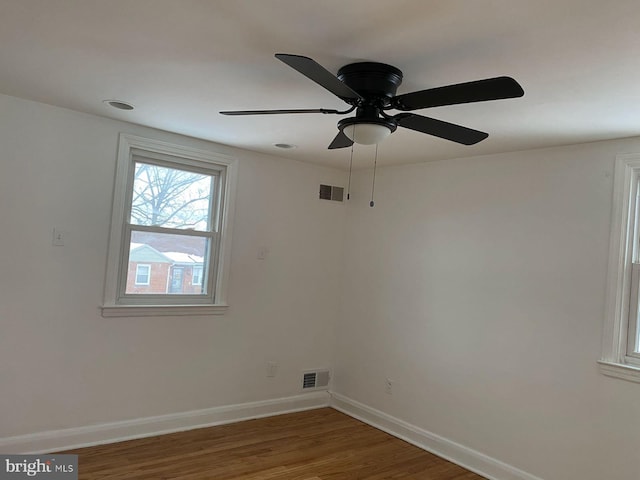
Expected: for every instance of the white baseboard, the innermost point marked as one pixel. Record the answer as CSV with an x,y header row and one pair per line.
x,y
71,438
454,452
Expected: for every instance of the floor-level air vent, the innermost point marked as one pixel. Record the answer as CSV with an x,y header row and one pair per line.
x,y
315,380
331,192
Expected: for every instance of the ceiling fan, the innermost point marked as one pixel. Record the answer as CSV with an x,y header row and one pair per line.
x,y
370,89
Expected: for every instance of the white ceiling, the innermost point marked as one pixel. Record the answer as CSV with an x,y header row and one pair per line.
x,y
181,61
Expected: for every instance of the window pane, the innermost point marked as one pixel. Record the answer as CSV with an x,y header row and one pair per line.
x,y
634,328
634,311
170,198
175,264
637,339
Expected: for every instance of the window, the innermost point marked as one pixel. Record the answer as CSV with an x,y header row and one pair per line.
x,y
171,216
196,278
621,340
143,272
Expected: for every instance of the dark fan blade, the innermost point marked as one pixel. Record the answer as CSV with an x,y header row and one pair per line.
x,y
341,141
278,112
439,128
316,72
478,91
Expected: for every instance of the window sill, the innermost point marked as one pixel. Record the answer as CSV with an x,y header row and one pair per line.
x,y
620,370
109,311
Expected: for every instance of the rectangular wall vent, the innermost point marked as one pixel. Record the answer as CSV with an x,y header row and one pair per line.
x,y
315,380
309,380
331,192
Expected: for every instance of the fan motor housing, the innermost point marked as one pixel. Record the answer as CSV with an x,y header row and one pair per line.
x,y
372,79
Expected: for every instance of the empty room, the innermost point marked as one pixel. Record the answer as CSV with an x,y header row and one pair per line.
x,y
314,240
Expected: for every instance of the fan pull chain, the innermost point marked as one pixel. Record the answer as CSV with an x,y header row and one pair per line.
x,y
350,167
373,185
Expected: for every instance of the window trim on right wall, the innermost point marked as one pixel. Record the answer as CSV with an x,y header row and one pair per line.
x,y
621,298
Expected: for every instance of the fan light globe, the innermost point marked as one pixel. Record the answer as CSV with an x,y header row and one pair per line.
x,y
366,133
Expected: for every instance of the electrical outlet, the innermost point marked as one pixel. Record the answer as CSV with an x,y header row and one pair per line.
x,y
272,369
388,386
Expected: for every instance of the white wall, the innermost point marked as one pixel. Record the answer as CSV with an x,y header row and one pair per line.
x,y
62,365
477,285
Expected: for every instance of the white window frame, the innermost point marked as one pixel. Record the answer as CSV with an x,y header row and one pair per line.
x,y
115,303
148,267
618,359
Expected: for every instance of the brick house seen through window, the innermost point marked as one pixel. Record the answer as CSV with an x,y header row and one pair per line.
x,y
168,272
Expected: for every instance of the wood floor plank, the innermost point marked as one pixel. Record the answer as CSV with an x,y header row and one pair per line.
x,y
321,444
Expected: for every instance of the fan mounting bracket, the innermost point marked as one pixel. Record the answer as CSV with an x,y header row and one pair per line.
x,y
376,82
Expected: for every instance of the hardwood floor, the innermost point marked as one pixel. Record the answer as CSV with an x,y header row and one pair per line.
x,y
318,444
